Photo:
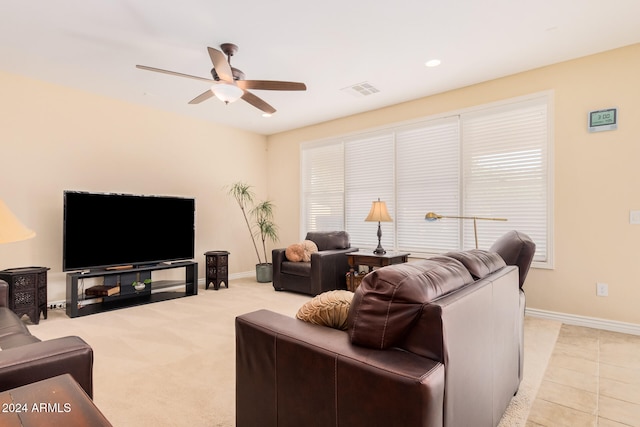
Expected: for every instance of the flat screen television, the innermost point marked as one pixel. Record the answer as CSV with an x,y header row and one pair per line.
x,y
102,230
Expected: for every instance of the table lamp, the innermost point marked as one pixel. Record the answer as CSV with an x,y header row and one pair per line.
x,y
11,229
379,213
431,216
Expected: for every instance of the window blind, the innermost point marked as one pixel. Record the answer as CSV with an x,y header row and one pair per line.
x,y
504,164
483,162
323,188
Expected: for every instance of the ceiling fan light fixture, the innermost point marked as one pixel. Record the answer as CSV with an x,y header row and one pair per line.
x,y
227,92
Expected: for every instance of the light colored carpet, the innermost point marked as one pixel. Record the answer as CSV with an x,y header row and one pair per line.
x,y
172,363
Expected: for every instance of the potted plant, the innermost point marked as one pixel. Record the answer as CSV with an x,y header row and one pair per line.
x,y
261,225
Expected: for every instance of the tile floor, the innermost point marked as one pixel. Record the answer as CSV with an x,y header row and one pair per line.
x,y
593,379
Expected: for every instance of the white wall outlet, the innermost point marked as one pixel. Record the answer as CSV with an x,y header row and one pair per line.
x,y
634,217
602,289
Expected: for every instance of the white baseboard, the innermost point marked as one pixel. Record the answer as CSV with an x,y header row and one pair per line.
x,y
589,322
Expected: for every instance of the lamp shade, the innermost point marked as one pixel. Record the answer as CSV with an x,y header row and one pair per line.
x,y
378,212
226,92
11,229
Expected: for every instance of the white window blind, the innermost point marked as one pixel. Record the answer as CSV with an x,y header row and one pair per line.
x,y
369,175
428,179
505,172
484,162
323,187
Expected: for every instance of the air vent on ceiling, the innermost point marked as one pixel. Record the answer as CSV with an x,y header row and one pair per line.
x,y
361,89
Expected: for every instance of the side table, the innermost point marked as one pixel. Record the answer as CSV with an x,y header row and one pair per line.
x,y
217,269
371,260
27,291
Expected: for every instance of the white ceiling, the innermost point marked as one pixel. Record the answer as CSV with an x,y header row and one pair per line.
x,y
329,45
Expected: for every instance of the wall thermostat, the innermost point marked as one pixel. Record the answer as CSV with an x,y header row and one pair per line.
x,y
601,120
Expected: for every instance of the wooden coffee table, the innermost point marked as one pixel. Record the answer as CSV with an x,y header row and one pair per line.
x,y
57,401
371,260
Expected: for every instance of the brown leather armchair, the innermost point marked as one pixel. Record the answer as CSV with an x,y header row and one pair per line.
x,y
326,271
25,359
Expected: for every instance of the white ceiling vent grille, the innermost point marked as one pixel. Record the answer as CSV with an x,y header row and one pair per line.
x,y
361,89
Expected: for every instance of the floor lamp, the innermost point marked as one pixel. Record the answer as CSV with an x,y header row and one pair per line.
x,y
377,214
11,229
431,216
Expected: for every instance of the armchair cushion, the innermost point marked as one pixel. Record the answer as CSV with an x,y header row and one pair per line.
x,y
329,240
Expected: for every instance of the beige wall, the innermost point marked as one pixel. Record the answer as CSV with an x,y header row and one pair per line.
x,y
597,178
54,138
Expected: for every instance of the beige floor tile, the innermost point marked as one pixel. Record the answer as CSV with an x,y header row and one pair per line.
x,y
603,422
572,378
560,360
586,338
609,336
629,392
553,415
587,352
570,397
620,411
620,373
625,354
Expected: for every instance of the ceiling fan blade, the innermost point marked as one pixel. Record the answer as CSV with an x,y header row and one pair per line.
x,y
258,103
270,85
173,73
221,65
202,97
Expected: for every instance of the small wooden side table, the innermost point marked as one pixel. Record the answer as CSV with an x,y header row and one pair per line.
x,y
27,291
217,269
371,260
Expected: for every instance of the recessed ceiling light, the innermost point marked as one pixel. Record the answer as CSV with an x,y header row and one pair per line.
x,y
266,115
432,63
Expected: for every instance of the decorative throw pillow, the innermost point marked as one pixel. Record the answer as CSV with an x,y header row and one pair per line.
x,y
330,309
309,248
294,252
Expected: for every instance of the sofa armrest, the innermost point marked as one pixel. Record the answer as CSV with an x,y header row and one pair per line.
x,y
41,360
289,372
4,294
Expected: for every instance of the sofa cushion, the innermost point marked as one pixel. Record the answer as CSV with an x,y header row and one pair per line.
x,y
516,248
330,309
479,262
389,299
294,252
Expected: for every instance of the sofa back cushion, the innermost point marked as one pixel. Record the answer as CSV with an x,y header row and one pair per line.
x,y
327,240
390,299
516,248
479,262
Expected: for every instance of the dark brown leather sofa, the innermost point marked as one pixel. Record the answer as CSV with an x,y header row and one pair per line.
x,y
25,359
326,270
434,342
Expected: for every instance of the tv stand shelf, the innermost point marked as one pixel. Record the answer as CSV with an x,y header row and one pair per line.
x,y
128,296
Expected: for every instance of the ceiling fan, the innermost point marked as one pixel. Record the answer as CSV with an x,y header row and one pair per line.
x,y
228,83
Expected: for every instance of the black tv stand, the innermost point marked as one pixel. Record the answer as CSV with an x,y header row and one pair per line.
x,y
128,296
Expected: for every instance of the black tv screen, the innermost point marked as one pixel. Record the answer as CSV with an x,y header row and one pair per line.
x,y
103,230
